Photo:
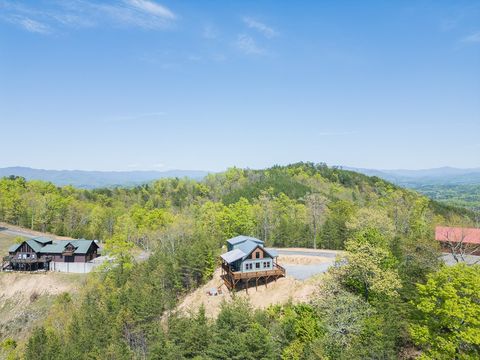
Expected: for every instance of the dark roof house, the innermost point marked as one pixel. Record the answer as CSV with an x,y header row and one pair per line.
x,y
37,253
247,259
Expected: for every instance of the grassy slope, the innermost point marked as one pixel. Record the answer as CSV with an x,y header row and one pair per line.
x,y
25,299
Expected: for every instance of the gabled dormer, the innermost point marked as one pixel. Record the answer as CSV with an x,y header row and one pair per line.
x,y
69,249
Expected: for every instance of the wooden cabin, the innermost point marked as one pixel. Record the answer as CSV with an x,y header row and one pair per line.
x,y
38,253
247,260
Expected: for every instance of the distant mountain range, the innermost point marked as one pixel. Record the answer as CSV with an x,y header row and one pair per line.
x,y
417,178
95,179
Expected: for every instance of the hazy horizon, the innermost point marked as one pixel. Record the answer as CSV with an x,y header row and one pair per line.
x,y
247,167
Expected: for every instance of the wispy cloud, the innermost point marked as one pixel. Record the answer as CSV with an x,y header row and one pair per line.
x,y
472,38
86,13
152,8
29,24
264,29
248,45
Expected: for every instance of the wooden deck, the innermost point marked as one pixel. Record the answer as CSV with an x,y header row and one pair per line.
x,y
29,264
41,259
234,278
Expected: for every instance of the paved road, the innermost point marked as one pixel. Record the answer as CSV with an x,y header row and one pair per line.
x,y
303,272
326,254
15,232
469,259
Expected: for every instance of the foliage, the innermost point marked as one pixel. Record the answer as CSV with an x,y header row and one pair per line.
x,y
447,322
126,311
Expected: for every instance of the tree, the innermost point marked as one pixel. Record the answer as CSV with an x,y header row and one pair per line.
x,y
369,270
316,204
43,345
343,315
446,323
457,243
266,216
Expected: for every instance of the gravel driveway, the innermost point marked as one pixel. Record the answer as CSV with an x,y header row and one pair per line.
x,y
303,272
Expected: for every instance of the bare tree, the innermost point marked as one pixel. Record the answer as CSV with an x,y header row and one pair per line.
x,y
265,200
461,249
316,204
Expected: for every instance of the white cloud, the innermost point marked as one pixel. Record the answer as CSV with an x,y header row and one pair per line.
x,y
34,26
144,14
87,13
473,38
247,45
264,29
29,24
152,8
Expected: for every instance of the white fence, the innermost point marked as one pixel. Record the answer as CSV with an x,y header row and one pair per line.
x,y
80,268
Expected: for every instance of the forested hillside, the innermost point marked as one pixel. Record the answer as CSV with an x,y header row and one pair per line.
x,y
366,308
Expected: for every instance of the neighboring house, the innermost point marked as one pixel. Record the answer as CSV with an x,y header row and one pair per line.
x,y
458,241
247,259
43,253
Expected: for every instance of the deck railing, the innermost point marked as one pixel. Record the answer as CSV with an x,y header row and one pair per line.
x,y
277,270
40,259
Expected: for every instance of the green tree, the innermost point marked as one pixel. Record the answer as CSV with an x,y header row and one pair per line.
x,y
447,319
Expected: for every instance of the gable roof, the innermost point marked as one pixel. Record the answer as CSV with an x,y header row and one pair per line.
x,y
247,247
233,255
46,246
242,238
243,249
81,246
457,234
36,247
43,240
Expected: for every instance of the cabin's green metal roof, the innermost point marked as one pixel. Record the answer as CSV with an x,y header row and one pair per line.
x,y
14,247
43,240
31,242
44,246
81,246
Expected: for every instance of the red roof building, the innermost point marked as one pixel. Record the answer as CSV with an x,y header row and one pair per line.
x,y
470,236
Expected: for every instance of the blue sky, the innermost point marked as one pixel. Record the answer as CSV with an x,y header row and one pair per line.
x,y
138,84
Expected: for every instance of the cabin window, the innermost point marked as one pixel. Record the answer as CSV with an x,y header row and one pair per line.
x,y
257,265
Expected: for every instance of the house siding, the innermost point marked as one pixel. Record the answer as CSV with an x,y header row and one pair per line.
x,y
24,251
267,261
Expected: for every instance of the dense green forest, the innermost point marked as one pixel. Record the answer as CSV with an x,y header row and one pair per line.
x,y
464,195
375,304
